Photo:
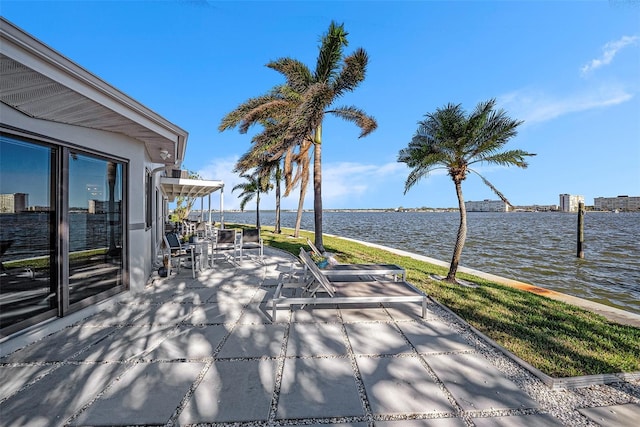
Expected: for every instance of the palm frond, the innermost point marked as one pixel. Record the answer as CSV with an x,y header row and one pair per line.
x,y
330,53
506,158
355,115
352,73
493,188
296,73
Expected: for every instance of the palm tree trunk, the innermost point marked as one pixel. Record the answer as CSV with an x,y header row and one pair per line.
x,y
303,192
462,235
277,226
317,187
258,211
304,182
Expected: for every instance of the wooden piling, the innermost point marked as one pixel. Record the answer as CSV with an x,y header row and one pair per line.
x,y
580,253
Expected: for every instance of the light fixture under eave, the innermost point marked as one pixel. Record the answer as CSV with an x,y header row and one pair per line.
x,y
164,154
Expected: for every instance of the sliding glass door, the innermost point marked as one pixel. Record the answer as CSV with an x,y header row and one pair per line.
x,y
62,230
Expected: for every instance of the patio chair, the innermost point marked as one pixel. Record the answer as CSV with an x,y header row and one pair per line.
x,y
227,240
250,239
174,250
324,291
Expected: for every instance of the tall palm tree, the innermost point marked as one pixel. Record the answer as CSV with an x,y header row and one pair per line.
x,y
273,110
254,185
449,139
334,76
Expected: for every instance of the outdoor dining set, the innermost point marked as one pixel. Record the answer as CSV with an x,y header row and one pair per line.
x,y
203,247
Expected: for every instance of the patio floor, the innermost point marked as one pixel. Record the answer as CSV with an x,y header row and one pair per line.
x,y
204,352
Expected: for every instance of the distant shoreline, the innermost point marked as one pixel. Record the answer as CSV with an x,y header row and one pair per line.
x,y
401,210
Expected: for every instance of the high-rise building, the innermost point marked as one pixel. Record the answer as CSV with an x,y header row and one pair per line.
x,y
569,202
13,203
487,206
621,203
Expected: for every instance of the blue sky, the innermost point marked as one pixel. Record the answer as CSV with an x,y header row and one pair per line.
x,y
569,69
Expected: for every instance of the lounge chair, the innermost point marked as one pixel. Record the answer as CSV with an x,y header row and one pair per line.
x,y
324,291
250,239
347,271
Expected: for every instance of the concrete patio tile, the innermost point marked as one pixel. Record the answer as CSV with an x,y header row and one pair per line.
x,y
617,415
258,313
232,391
376,338
13,378
213,313
318,388
315,339
476,384
194,295
240,294
404,312
536,420
68,342
398,385
311,314
364,313
74,385
165,314
190,342
433,336
441,422
262,295
353,424
127,342
256,340
119,314
134,398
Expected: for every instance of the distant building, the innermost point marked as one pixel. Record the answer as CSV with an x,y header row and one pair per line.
x,y
102,207
536,208
569,202
14,203
487,206
621,203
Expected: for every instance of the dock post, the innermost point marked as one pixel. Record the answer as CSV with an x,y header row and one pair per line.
x,y
580,253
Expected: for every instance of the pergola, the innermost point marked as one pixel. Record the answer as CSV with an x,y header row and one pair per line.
x,y
194,188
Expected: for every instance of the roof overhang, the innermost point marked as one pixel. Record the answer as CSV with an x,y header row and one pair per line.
x,y
192,188
43,84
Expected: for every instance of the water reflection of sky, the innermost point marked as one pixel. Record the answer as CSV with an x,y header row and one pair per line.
x,y
26,168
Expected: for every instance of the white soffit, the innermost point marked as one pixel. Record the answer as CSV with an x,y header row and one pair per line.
x,y
43,84
183,187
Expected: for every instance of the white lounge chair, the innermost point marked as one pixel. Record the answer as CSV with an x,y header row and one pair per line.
x,y
347,271
323,291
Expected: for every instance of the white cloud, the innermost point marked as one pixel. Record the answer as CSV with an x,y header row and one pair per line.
x,y
609,52
222,169
342,183
533,106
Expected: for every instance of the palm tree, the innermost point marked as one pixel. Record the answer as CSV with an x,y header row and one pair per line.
x,y
449,139
273,110
334,76
254,185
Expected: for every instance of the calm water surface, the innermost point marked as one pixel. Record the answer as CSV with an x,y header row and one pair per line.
x,y
537,248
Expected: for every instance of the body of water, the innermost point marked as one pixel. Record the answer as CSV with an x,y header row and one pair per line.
x,y
532,247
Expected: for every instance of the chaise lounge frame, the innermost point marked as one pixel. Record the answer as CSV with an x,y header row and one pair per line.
x,y
345,292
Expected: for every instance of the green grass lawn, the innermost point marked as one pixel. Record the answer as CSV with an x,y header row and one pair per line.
x,y
559,339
